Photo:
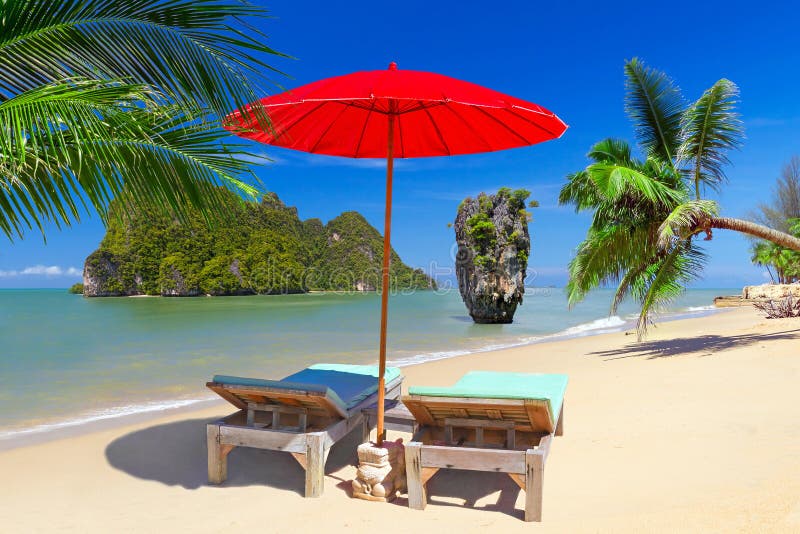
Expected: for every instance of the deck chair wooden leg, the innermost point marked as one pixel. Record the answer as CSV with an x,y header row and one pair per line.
x,y
534,479
416,485
560,424
365,429
315,464
217,456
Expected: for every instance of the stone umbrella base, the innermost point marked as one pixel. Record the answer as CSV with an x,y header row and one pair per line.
x,y
381,471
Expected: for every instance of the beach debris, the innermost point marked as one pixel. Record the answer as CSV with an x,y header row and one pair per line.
x,y
779,309
493,249
381,471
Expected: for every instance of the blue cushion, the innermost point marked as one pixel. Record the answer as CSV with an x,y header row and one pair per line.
x,y
346,384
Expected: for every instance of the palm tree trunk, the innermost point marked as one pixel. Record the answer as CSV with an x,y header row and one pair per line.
x,y
756,230
770,274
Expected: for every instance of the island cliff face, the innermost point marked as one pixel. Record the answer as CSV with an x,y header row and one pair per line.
x,y
493,248
260,248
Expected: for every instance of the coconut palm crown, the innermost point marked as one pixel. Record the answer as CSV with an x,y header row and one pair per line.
x,y
103,99
647,210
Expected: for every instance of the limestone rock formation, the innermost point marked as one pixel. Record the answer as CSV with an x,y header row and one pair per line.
x,y
771,291
493,248
101,276
761,293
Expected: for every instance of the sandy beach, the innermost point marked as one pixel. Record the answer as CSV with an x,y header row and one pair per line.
x,y
694,430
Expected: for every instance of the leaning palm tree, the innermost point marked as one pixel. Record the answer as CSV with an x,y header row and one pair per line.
x,y
647,211
102,99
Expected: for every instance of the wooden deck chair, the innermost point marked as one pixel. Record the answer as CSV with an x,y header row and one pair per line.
x,y
303,414
487,421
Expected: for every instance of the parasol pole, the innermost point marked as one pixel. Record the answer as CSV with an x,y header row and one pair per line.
x,y
387,251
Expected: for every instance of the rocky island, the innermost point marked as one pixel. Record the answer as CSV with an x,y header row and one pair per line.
x,y
493,248
260,248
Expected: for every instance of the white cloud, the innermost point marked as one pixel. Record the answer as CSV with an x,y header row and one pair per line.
x,y
41,270
53,270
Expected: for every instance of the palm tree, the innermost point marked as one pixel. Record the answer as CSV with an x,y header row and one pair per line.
x,y
647,211
102,99
763,254
786,262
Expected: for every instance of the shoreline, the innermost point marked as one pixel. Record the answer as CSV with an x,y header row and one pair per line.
x,y
694,429
120,416
661,435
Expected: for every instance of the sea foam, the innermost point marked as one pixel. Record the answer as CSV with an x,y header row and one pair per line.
x,y
101,415
598,326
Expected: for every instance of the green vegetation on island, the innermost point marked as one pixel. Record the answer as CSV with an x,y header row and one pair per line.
x,y
260,248
482,231
76,289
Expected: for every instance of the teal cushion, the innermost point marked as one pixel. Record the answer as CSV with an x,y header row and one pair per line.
x,y
346,384
497,385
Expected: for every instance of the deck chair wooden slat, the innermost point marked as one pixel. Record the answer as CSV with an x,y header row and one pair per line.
x,y
303,422
519,448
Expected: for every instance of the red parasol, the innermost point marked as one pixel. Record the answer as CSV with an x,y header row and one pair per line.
x,y
397,114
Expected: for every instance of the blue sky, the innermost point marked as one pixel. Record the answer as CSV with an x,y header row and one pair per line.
x,y
567,57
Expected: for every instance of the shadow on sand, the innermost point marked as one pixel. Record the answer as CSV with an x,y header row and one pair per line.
x,y
175,454
463,489
466,488
706,345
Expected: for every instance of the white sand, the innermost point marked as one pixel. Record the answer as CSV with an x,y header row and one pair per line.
x,y
697,429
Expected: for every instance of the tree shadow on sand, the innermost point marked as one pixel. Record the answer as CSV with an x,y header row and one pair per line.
x,y
175,454
705,345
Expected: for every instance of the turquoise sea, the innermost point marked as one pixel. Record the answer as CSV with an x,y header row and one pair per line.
x,y
66,360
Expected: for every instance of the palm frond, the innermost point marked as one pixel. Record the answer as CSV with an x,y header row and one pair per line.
x,y
85,140
194,50
654,104
665,280
685,220
185,158
711,127
580,190
604,256
614,181
41,129
630,279
611,150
